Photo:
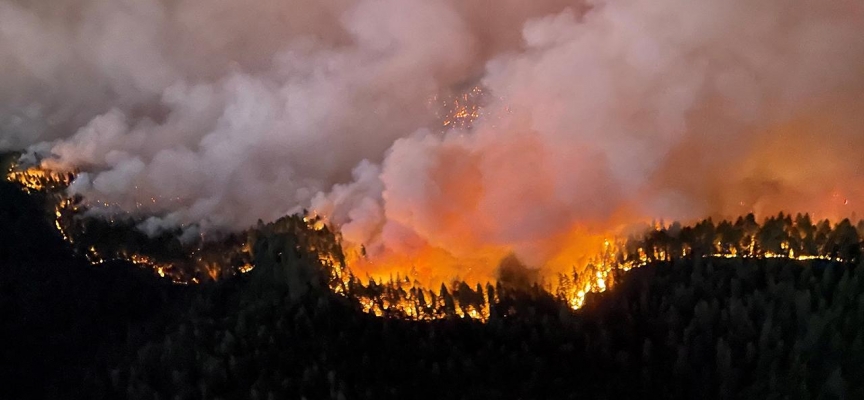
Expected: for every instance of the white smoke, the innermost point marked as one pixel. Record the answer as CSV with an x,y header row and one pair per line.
x,y
593,117
222,113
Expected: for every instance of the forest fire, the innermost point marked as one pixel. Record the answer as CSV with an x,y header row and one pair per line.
x,y
460,111
584,260
506,174
38,179
400,283
185,264
403,297
409,294
778,237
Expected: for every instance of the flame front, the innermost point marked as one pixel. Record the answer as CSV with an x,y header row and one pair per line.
x,y
36,179
401,285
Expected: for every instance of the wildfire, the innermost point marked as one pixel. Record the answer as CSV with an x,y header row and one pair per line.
x,y
314,221
37,179
69,216
410,296
461,110
406,298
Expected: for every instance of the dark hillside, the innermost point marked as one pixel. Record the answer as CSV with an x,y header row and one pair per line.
x,y
690,327
61,317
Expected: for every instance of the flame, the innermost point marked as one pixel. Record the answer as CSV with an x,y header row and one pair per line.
x,y
37,179
400,297
460,111
68,210
585,260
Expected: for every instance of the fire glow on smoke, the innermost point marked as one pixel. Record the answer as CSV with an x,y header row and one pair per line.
x,y
405,296
441,137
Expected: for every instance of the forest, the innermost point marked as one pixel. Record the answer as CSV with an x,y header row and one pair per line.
x,y
734,309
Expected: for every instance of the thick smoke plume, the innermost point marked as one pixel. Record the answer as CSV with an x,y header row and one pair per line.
x,y
596,115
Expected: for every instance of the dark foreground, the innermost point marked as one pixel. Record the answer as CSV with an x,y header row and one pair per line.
x,y
689,328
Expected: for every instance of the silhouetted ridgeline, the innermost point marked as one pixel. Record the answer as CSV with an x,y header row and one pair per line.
x,y
681,327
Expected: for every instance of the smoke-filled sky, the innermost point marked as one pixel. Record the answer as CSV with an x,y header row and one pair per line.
x,y
596,114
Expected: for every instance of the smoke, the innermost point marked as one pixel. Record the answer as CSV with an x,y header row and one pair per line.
x,y
596,116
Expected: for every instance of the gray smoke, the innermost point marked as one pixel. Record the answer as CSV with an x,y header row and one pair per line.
x,y
218,113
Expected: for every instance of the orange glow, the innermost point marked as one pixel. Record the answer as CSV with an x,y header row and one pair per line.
x,y
34,179
573,260
461,111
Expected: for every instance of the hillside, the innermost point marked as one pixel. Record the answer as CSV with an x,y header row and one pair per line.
x,y
689,327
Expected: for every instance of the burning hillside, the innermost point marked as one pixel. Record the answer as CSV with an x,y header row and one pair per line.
x,y
444,141
275,247
38,179
736,324
492,183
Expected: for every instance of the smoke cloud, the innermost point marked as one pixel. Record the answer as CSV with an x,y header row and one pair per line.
x,y
596,115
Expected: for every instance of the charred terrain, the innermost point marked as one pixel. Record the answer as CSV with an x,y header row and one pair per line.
x,y
726,310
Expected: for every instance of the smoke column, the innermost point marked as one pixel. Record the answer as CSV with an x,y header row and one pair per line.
x,y
597,115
